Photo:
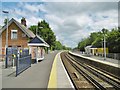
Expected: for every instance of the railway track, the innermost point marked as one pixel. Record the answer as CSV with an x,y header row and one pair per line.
x,y
99,79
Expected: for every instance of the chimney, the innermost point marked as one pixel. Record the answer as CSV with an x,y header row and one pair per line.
x,y
23,21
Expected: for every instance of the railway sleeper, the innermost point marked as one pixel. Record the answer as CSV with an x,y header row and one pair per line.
x,y
103,84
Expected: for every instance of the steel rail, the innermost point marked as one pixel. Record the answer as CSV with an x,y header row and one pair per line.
x,y
88,77
101,74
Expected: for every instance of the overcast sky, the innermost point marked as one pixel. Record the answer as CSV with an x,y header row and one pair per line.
x,y
71,21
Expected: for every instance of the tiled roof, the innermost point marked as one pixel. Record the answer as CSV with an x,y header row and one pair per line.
x,y
29,33
37,41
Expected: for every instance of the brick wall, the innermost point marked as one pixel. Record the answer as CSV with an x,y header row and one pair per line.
x,y
20,41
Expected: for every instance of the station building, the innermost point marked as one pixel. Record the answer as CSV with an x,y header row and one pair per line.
x,y
90,50
19,36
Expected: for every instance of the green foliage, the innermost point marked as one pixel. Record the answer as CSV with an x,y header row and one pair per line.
x,y
93,36
45,32
33,28
83,43
96,40
66,48
5,21
58,45
113,40
43,24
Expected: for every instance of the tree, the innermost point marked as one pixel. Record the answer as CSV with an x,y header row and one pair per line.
x,y
96,40
33,28
58,45
81,45
5,21
45,32
93,36
43,24
114,41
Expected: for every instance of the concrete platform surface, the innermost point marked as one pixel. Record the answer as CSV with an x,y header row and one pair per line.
x,y
37,76
109,61
59,77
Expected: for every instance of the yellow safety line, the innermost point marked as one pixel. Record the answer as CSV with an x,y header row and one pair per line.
x,y
53,75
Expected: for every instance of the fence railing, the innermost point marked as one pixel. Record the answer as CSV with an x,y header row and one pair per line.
x,y
111,55
22,64
19,58
24,53
10,58
114,55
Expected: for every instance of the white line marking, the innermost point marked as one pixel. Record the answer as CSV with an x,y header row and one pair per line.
x,y
67,73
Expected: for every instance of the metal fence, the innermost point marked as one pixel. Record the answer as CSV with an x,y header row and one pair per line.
x,y
23,62
111,55
19,58
114,55
24,52
11,59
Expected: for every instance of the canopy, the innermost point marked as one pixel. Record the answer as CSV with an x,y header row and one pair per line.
x,y
37,41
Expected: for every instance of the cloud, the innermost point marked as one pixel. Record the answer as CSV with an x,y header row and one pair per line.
x,y
80,0
60,0
33,21
31,8
75,21
71,21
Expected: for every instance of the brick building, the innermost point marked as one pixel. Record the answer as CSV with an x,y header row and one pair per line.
x,y
18,35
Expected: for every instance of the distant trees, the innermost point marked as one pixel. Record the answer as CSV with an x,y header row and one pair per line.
x,y
96,40
113,41
84,42
58,45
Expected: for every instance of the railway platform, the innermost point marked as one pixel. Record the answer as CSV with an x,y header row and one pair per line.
x,y
49,73
109,61
59,77
34,78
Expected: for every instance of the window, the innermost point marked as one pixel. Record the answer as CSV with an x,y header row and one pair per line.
x,y
13,34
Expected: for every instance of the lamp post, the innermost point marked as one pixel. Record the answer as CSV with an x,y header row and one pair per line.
x,y
6,61
102,47
103,30
36,30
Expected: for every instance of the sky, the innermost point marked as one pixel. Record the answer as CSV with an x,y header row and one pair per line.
x,y
71,20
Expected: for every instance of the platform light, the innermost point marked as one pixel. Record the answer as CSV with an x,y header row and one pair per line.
x,y
103,30
6,12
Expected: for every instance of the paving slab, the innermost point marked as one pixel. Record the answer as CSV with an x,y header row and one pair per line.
x,y
59,78
63,79
37,76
